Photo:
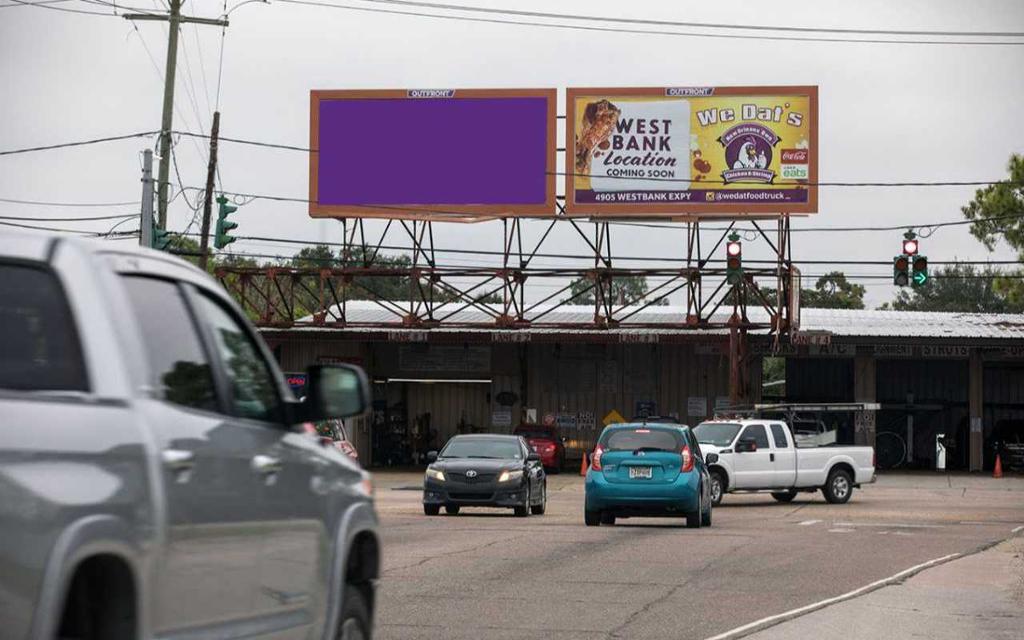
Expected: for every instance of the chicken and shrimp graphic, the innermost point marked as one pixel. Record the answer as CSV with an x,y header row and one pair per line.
x,y
750,157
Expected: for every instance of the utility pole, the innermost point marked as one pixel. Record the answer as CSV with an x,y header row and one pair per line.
x,y
174,20
146,221
211,170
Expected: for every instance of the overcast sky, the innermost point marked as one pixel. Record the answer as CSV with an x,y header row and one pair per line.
x,y
888,112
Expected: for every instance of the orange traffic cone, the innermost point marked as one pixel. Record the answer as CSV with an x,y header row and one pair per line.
x,y
998,471
584,464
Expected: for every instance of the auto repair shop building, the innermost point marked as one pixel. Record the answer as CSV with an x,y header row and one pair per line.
x,y
957,374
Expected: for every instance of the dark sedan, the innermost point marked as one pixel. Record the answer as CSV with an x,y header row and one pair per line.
x,y
485,471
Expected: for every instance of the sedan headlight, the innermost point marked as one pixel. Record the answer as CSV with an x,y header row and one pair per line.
x,y
510,475
435,474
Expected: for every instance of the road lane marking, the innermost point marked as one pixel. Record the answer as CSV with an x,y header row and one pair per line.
x,y
888,525
840,530
807,523
764,623
1017,529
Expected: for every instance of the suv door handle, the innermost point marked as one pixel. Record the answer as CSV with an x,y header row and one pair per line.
x,y
266,464
771,457
178,459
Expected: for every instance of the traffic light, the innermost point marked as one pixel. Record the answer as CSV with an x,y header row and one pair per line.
x,y
734,260
222,239
901,270
920,275
161,238
910,246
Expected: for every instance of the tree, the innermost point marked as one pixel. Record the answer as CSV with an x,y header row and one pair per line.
x,y
998,214
831,291
625,289
958,288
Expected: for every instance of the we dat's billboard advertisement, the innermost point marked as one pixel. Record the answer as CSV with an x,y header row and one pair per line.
x,y
689,152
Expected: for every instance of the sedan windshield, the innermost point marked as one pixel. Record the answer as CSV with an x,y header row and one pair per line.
x,y
720,434
481,448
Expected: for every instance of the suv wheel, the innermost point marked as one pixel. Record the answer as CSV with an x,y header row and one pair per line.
x,y
355,616
592,518
431,509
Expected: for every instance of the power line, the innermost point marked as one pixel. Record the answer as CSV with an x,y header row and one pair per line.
x,y
40,2
46,5
83,219
58,229
69,204
691,34
702,25
79,143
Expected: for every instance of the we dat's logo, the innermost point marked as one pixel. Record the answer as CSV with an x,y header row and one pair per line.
x,y
750,145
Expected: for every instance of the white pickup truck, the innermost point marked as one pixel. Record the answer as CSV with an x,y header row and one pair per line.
x,y
759,455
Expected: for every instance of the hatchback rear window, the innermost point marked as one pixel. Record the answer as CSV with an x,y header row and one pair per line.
x,y
642,438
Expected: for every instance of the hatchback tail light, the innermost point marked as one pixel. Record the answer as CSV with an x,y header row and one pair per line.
x,y
595,460
687,459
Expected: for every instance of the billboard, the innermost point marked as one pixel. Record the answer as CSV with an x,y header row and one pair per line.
x,y
690,152
440,154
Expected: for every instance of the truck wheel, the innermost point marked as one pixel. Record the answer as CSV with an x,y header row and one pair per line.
x,y
784,496
717,487
452,509
838,488
355,616
431,509
591,518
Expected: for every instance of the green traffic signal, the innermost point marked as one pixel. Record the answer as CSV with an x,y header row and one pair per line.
x,y
222,239
920,276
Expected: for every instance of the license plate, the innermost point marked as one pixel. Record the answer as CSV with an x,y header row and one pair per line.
x,y
641,472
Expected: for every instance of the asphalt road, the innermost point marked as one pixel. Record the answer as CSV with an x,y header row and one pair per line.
x,y
486,574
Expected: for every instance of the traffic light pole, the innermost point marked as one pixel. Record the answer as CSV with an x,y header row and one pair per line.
x,y
211,170
174,20
146,221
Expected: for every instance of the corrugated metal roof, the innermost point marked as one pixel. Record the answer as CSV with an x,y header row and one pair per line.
x,y
841,322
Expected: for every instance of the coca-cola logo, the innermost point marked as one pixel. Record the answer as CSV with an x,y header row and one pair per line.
x,y
794,156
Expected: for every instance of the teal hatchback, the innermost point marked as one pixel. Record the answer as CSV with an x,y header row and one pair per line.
x,y
647,470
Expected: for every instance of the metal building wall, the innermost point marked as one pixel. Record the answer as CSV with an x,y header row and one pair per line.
x,y
597,378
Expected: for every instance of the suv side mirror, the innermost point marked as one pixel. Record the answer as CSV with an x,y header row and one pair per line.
x,y
710,458
746,445
431,457
335,391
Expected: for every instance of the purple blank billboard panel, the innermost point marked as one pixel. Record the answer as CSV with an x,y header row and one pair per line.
x,y
463,155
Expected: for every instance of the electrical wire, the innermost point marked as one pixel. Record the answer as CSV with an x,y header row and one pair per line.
x,y
701,25
34,4
69,204
57,229
84,219
691,34
45,5
80,143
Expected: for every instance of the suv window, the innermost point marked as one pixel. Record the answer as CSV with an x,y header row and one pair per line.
x,y
758,433
179,368
779,433
253,392
39,347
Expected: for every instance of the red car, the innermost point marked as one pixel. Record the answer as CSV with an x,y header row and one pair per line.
x,y
546,442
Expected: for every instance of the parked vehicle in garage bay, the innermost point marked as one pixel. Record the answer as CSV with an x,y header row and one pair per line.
x,y
759,455
647,470
545,441
155,480
485,470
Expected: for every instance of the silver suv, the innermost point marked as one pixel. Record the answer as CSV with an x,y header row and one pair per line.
x,y
153,480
